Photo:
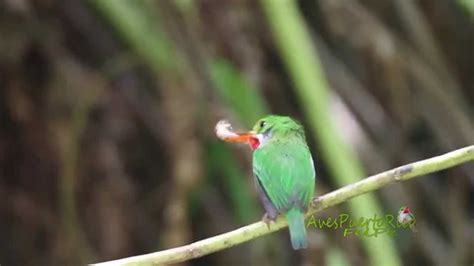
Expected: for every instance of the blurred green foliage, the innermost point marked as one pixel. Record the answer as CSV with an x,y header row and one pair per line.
x,y
242,98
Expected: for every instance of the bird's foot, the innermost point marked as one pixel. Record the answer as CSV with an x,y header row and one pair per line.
x,y
315,202
267,219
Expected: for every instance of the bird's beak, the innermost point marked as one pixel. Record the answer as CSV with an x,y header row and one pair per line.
x,y
241,137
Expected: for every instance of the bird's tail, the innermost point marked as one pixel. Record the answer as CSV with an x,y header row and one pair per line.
x,y
297,228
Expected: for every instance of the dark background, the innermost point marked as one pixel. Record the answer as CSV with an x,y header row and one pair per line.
x,y
107,112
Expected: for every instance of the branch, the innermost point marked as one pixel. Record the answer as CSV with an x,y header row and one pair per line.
x,y
255,230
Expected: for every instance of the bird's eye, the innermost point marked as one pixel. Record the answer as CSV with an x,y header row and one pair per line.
x,y
262,124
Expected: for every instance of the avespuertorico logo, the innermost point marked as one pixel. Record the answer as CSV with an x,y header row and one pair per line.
x,y
367,226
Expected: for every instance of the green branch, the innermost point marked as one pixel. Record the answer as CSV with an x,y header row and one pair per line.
x,y
255,230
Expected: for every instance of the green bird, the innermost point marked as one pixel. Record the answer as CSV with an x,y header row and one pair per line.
x,y
284,171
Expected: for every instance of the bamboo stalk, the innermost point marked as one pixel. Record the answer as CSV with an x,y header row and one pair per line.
x,y
302,62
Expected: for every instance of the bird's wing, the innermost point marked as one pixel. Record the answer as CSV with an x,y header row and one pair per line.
x,y
286,173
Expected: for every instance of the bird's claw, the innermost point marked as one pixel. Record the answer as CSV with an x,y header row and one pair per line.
x,y
267,219
315,201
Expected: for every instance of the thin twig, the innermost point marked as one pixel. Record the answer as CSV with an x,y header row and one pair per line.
x,y
255,230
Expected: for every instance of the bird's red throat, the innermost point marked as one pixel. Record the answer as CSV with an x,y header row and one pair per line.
x,y
254,142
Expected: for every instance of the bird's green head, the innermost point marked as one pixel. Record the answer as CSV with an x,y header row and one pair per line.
x,y
275,126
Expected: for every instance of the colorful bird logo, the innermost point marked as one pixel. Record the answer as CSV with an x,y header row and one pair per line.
x,y
406,218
